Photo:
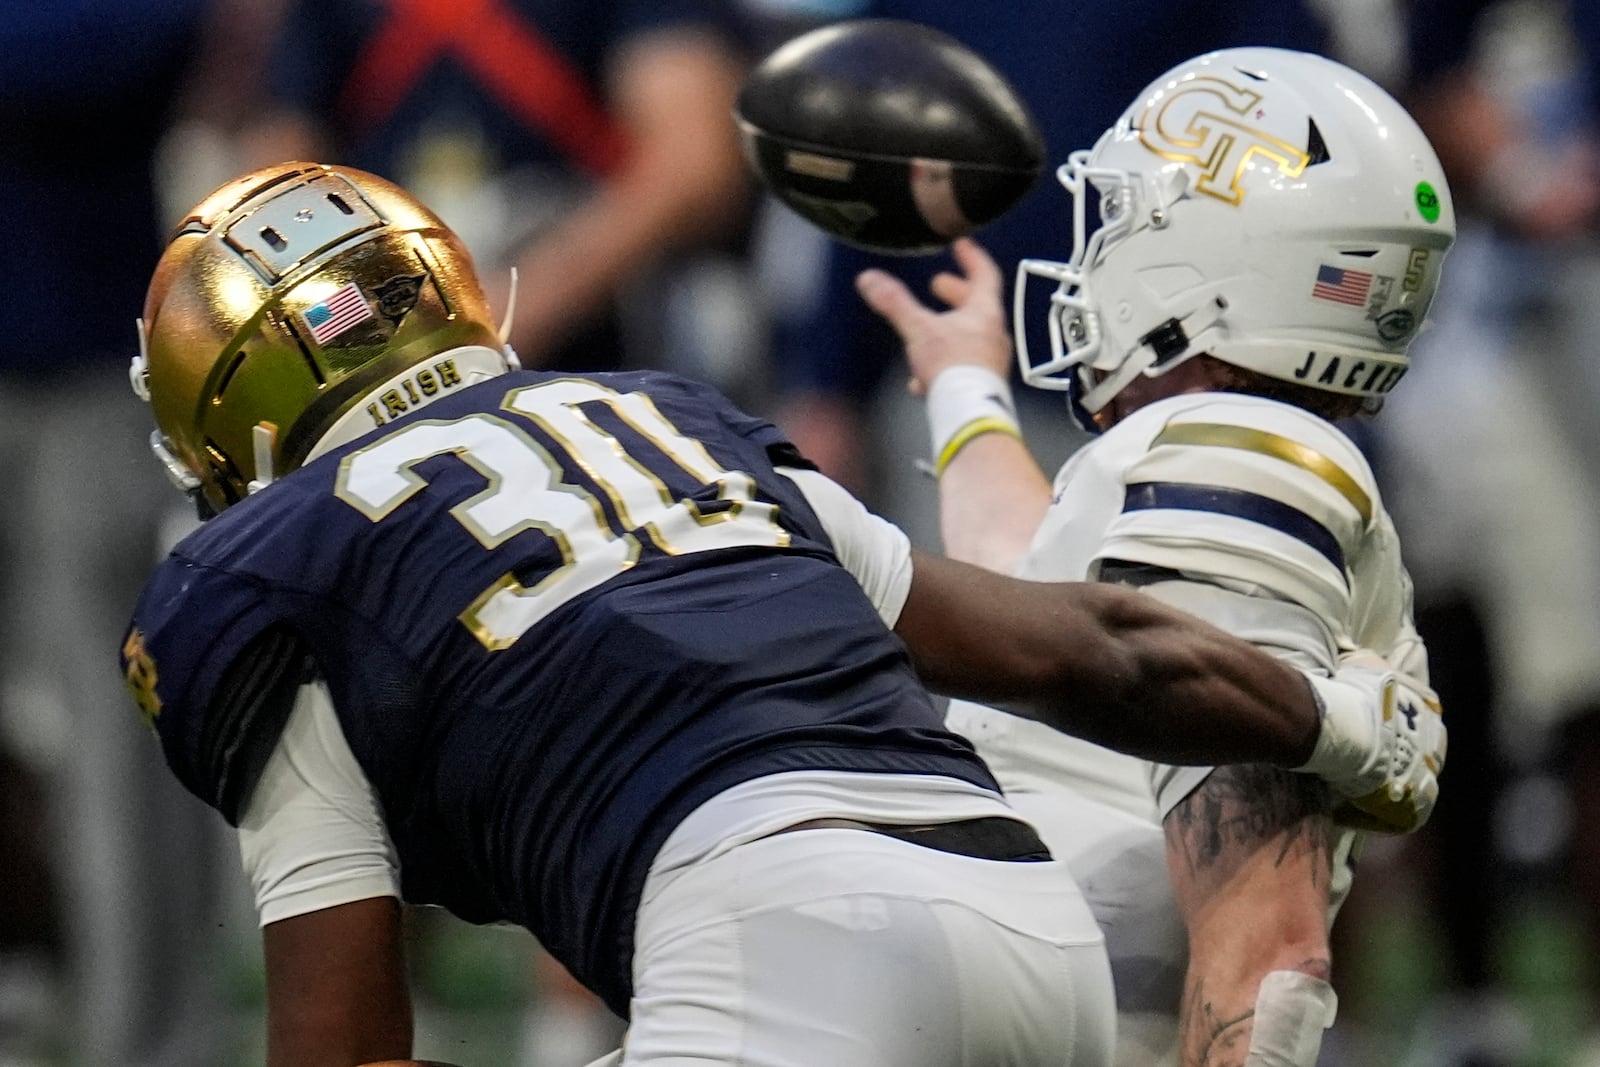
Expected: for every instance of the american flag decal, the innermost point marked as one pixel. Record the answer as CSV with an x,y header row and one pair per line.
x,y
337,314
1342,286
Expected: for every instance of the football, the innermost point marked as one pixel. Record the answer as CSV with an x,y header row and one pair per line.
x,y
888,134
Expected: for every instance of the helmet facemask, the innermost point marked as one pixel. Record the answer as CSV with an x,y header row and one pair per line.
x,y
1080,361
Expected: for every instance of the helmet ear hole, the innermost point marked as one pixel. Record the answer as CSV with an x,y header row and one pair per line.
x,y
1167,341
1316,147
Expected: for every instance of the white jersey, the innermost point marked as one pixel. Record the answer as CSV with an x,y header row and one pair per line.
x,y
1255,515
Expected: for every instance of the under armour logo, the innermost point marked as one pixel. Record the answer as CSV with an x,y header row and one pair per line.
x,y
1410,714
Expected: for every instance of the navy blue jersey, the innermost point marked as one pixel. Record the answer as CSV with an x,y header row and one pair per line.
x,y
555,614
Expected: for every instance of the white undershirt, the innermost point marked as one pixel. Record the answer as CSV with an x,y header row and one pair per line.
x,y
313,834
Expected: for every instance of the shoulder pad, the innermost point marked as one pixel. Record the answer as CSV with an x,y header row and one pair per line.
x,y
1225,426
1248,490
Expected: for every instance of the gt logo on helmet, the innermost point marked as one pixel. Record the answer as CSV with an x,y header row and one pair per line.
x,y
1180,127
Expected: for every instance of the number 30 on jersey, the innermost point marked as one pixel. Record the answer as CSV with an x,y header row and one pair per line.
x,y
526,492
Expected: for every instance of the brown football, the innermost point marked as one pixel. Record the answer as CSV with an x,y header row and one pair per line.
x,y
888,134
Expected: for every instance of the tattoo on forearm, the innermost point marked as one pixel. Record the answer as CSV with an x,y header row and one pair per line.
x,y
1246,805
1210,1041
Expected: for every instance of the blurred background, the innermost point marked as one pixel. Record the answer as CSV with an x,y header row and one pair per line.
x,y
588,144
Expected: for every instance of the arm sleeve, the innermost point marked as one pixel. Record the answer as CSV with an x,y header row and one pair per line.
x,y
875,552
313,835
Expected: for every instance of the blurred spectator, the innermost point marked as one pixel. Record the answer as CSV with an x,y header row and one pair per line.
x,y
1076,65
1520,160
30,918
223,92
1483,457
85,89
579,141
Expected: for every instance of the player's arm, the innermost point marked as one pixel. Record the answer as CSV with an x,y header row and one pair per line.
x,y
1250,856
1103,662
1251,853
326,883
269,753
992,494
1121,669
1250,848
336,986
1118,667
1108,664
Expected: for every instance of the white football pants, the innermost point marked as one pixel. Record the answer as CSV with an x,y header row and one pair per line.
x,y
845,948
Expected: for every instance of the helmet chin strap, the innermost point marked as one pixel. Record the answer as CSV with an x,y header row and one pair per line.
x,y
1192,327
263,436
1101,393
1081,415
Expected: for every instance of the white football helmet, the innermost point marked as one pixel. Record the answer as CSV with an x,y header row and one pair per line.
x,y
1274,209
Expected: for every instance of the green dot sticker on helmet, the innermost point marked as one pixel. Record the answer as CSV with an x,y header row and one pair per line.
x,y
1427,202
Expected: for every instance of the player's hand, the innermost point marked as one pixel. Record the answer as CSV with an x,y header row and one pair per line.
x,y
1414,728
972,331
1382,746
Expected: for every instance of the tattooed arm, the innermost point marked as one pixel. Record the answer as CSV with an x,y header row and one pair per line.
x,y
1250,852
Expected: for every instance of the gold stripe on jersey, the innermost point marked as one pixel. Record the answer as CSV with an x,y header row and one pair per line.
x,y
1221,435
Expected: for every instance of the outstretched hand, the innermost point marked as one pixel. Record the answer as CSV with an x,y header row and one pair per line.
x,y
971,332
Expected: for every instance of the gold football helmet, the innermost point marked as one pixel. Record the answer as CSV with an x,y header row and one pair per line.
x,y
284,299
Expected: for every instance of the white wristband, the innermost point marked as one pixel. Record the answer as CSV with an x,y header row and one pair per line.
x,y
967,401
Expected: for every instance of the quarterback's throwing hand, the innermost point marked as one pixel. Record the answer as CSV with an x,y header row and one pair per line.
x,y
972,331
1382,745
